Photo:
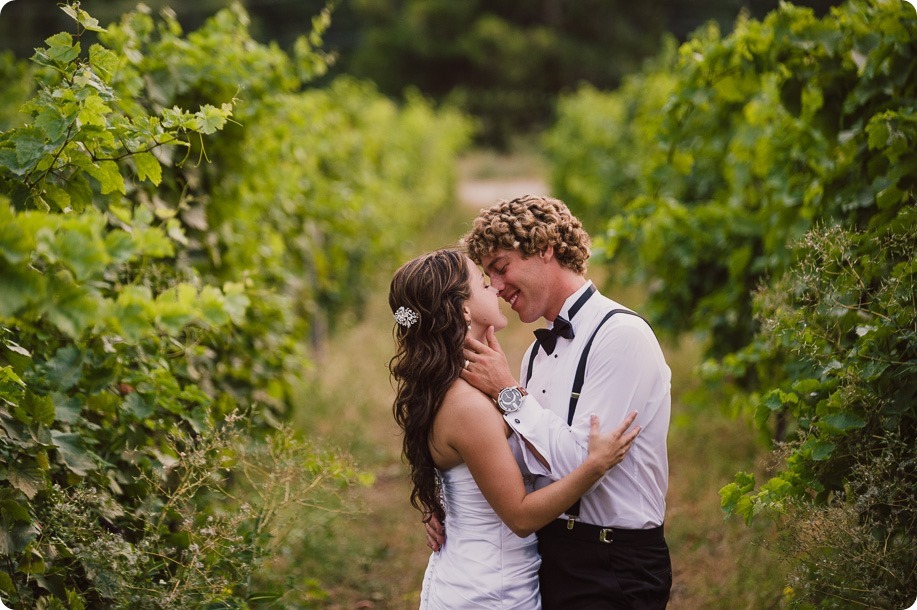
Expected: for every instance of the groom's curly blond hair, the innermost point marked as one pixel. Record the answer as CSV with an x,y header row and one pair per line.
x,y
529,224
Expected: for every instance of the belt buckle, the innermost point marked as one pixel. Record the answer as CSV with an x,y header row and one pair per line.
x,y
603,535
571,521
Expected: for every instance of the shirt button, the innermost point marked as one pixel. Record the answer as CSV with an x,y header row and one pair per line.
x,y
518,422
555,355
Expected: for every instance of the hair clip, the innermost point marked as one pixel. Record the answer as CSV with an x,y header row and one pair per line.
x,y
405,316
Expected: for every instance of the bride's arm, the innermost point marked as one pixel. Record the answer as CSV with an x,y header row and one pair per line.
x,y
477,432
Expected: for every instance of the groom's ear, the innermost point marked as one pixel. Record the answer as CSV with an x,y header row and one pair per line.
x,y
547,254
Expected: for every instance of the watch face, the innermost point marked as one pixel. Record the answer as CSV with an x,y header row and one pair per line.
x,y
509,399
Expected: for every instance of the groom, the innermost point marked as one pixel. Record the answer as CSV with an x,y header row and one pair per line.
x,y
608,550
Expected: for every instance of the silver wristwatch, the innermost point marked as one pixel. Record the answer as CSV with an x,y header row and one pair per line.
x,y
510,399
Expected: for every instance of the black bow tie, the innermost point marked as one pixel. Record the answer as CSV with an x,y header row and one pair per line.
x,y
547,337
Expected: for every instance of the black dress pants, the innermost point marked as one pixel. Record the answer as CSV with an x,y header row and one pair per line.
x,y
591,568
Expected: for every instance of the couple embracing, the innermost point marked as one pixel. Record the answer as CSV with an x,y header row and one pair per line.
x,y
546,491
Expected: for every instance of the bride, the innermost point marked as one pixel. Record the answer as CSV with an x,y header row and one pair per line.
x,y
464,462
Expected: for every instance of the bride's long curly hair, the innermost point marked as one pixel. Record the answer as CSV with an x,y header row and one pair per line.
x,y
428,360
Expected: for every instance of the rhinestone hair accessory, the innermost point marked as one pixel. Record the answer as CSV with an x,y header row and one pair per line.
x,y
405,316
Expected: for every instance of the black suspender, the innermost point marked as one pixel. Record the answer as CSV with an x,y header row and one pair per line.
x,y
528,374
580,376
578,380
573,309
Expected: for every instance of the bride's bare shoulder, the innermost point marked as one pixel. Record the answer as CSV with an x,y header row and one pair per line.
x,y
464,400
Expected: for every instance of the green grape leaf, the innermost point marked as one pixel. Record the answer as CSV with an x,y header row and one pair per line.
x,y
842,422
879,132
138,405
103,61
80,192
15,539
9,377
132,319
150,241
890,197
15,245
31,145
108,175
14,512
94,111
25,476
236,301
65,368
19,285
39,408
83,18
734,498
52,123
148,167
66,408
176,118
211,119
806,386
10,161
71,307
211,306
61,49
83,252
817,449
56,195
175,307
119,245
73,452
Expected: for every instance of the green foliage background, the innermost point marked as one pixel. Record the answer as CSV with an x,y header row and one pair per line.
x,y
506,61
172,231
503,61
183,214
763,185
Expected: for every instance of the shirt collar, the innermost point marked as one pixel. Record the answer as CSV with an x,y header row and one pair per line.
x,y
565,310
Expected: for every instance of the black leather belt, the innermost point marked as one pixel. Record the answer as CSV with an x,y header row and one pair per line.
x,y
595,533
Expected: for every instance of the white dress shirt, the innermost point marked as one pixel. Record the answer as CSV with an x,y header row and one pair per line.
x,y
626,372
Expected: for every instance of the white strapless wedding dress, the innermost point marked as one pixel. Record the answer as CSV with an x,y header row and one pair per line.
x,y
483,563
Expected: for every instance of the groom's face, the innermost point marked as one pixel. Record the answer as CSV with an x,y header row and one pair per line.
x,y
524,283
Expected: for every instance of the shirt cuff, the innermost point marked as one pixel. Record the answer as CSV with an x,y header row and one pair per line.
x,y
526,422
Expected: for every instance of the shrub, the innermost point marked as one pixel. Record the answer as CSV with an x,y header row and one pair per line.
x,y
133,324
763,185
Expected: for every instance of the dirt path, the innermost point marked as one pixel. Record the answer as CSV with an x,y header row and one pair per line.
x,y
480,193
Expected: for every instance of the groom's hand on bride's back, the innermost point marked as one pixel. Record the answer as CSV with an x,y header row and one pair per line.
x,y
436,532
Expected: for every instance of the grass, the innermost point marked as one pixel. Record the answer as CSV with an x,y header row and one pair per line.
x,y
375,558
